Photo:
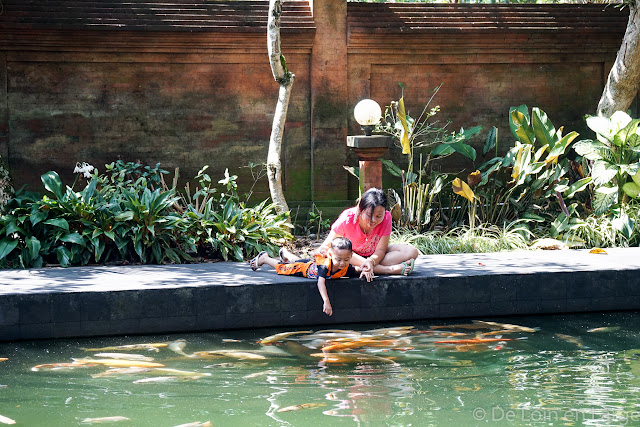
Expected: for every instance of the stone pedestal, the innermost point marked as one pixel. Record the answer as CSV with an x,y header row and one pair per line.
x,y
369,149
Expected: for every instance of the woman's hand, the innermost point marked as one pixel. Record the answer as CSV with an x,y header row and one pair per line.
x,y
366,270
322,250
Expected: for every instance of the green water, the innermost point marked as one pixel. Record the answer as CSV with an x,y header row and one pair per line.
x,y
531,378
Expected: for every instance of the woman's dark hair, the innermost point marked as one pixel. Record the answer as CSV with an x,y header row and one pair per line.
x,y
371,199
341,243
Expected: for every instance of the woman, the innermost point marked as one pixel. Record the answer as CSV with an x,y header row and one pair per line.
x,y
368,226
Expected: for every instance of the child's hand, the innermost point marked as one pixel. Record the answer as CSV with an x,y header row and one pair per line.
x,y
368,274
326,308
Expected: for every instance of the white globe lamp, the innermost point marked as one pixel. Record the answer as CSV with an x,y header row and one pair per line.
x,y
367,113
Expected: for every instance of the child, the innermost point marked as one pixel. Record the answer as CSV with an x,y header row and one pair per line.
x,y
333,266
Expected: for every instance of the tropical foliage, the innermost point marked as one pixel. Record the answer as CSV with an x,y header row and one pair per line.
x,y
128,215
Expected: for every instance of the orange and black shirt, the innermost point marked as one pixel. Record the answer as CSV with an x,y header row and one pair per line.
x,y
314,268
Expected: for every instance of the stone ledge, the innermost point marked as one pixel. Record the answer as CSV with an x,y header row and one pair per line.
x,y
87,301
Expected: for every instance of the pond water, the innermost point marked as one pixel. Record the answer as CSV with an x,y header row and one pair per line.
x,y
547,370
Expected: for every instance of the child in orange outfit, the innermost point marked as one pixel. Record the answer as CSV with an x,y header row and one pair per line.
x,y
333,266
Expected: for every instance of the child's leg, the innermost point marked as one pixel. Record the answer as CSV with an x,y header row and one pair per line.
x,y
287,256
262,258
266,259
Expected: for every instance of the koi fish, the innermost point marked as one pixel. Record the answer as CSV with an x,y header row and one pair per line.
x,y
180,373
278,337
574,340
509,326
259,374
177,346
125,356
104,420
58,366
155,380
359,343
6,420
301,406
394,331
352,357
119,371
461,326
197,424
119,363
605,329
236,354
146,346
2,359
473,341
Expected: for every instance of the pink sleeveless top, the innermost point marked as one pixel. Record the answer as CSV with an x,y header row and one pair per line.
x,y
363,244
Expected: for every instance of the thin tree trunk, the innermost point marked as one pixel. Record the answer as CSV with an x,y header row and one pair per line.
x,y
622,84
285,79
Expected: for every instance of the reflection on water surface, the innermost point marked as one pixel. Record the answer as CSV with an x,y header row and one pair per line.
x,y
551,370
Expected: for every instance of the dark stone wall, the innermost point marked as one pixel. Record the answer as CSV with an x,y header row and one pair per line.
x,y
190,98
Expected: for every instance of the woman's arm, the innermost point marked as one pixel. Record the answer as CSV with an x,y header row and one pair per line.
x,y
322,288
324,247
381,250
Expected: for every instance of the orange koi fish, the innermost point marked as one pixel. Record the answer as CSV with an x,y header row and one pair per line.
x,y
359,343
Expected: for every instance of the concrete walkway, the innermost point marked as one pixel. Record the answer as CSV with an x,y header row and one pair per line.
x,y
86,301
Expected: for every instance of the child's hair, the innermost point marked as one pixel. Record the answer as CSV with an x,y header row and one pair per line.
x,y
371,199
341,243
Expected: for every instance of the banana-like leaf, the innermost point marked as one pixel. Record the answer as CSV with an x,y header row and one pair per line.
x,y
464,149
462,189
520,124
543,129
560,147
404,139
577,186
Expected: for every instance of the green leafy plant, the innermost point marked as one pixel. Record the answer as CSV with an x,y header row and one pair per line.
x,y
614,160
421,139
535,178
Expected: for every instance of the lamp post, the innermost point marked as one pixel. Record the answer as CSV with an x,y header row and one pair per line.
x,y
369,148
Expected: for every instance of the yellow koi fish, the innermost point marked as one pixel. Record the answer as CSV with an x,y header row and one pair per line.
x,y
235,354
509,326
119,363
301,406
125,356
605,329
2,359
278,337
129,347
58,366
574,340
121,371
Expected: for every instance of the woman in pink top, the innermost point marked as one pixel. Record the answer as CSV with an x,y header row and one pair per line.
x,y
368,226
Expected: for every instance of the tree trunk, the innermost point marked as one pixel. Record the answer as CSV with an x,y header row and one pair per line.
x,y
285,79
622,84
